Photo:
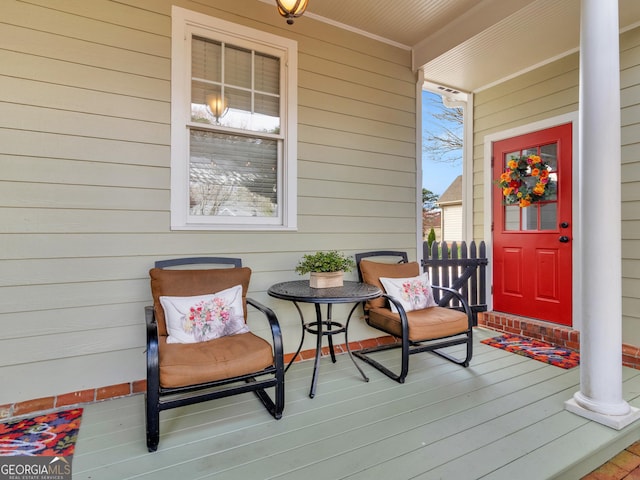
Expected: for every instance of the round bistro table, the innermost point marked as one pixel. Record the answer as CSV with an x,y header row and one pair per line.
x,y
299,291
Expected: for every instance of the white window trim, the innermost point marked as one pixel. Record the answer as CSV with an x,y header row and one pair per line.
x,y
183,23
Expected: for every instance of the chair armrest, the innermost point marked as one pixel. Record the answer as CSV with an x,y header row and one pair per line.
x,y
153,362
404,321
276,332
152,326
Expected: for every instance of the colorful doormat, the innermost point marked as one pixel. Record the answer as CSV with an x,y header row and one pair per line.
x,y
53,434
536,349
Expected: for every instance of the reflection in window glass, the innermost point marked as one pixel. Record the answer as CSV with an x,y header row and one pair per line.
x,y
549,154
530,218
234,87
206,61
232,175
237,67
512,218
267,74
553,180
548,216
509,156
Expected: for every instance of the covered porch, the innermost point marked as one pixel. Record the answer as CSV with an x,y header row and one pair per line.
x,y
87,211
503,417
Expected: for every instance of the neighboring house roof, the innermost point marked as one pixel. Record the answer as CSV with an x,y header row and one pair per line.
x,y
453,194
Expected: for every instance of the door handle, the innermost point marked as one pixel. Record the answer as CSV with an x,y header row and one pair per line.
x,y
564,239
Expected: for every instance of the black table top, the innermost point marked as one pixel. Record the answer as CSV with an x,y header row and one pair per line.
x,y
300,291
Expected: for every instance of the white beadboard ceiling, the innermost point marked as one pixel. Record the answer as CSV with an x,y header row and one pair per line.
x,y
468,44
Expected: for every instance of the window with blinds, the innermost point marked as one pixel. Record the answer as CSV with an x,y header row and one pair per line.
x,y
233,126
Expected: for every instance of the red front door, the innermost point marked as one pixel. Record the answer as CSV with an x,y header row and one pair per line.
x,y
532,244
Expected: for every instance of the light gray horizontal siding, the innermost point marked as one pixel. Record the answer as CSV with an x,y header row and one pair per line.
x,y
630,173
85,185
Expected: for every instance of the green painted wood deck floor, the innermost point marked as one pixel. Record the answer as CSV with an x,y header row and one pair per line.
x,y
501,418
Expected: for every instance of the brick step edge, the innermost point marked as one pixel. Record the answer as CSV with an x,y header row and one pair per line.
x,y
558,335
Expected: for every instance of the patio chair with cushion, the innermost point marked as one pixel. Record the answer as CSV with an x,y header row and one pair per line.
x,y
409,312
198,344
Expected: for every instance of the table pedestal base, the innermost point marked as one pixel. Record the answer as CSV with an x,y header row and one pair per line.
x,y
301,291
318,328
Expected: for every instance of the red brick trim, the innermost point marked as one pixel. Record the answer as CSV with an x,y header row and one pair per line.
x,y
37,404
140,386
630,356
83,396
548,332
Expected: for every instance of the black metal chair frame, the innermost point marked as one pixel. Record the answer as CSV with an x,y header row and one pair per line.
x,y
408,347
159,398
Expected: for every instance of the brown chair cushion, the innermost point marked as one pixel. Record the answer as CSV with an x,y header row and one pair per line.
x,y
372,271
185,283
195,363
426,324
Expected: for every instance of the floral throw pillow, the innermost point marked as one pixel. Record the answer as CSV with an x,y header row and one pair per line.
x,y
204,317
413,293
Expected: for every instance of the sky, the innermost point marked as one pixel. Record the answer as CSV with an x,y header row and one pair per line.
x,y
436,176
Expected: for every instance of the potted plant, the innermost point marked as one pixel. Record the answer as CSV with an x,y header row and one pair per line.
x,y
326,268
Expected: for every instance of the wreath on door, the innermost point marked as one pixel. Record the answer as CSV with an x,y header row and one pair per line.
x,y
525,181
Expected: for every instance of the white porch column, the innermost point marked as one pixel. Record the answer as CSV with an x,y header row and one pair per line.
x,y
600,396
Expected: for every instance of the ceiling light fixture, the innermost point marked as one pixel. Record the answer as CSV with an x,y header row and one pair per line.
x,y
291,9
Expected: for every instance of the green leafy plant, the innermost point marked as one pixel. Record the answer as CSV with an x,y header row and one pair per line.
x,y
527,179
332,261
432,237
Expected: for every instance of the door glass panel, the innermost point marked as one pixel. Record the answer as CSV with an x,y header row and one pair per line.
x,y
530,218
509,156
548,216
512,218
538,216
553,180
549,154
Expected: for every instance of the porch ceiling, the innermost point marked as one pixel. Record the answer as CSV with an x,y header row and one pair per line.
x,y
469,44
